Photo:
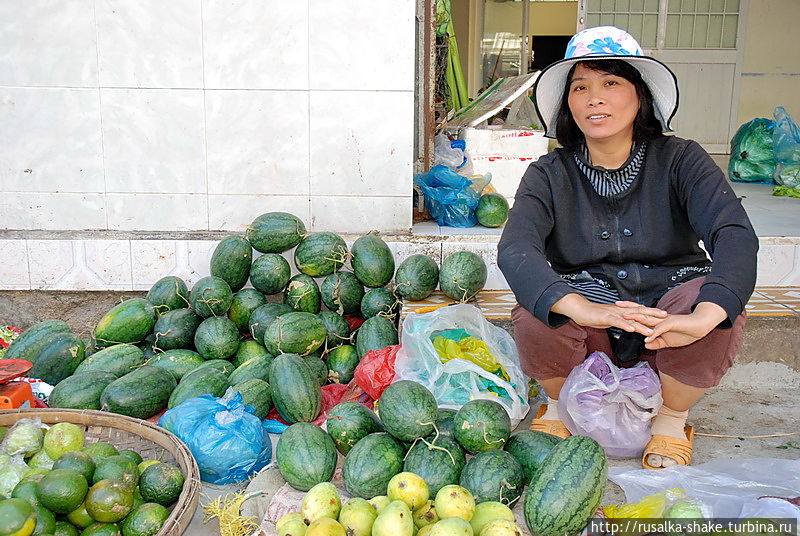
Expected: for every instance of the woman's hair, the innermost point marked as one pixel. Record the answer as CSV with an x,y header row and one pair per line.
x,y
645,124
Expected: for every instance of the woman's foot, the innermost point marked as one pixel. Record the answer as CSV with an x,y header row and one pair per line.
x,y
671,423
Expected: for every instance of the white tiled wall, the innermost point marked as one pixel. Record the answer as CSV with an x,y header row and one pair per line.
x,y
203,114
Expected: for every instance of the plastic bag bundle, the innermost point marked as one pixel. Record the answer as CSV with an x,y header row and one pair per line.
x,y
25,437
611,405
672,503
786,138
225,437
449,197
448,154
752,158
457,381
11,472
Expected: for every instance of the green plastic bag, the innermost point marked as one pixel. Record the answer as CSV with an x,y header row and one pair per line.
x,y
752,158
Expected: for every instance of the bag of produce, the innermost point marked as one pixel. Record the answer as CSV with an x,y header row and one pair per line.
x,y
786,138
25,437
752,158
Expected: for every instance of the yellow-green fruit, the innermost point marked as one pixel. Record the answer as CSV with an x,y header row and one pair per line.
x,y
452,526
145,464
291,516
62,438
321,501
425,515
424,531
501,527
409,488
395,520
295,527
80,517
357,517
454,501
489,511
325,526
379,503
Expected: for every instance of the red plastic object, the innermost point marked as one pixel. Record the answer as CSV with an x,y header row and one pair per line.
x,y
13,368
375,371
14,395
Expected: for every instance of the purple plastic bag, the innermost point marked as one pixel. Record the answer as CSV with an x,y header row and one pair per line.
x,y
611,405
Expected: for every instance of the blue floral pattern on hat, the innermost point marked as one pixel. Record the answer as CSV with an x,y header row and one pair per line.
x,y
602,41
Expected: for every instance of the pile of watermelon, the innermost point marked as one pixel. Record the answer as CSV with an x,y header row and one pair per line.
x,y
278,340
472,448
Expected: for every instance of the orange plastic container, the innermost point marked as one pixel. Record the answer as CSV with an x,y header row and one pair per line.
x,y
14,394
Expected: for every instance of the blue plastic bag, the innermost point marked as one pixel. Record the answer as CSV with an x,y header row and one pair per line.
x,y
449,197
225,437
786,141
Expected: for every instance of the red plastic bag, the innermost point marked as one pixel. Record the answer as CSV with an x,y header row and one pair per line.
x,y
375,372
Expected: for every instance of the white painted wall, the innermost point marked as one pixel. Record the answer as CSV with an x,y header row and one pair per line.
x,y
188,115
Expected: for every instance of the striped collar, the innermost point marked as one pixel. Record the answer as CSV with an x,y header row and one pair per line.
x,y
611,182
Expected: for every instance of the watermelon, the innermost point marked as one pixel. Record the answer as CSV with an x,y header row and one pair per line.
x,y
320,254
341,363
379,301
242,306
265,315
248,350
210,382
349,422
408,410
256,367
306,456
493,475
270,273
295,333
371,463
439,461
80,391
211,296
129,321
337,327
302,294
57,358
342,292
444,421
141,393
256,394
175,329
530,448
318,368
295,391
462,275
416,278
492,210
147,346
482,425
119,360
225,367
28,343
231,261
275,232
179,362
372,261
168,293
216,338
568,488
376,333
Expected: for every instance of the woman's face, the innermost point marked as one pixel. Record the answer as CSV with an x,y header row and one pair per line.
x,y
603,105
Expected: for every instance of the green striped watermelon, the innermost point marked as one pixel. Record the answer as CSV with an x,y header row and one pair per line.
x,y
256,394
568,488
295,392
28,343
371,463
231,261
349,422
58,358
320,254
408,410
302,294
270,273
129,321
168,293
462,275
179,362
295,333
482,425
318,368
530,448
376,333
222,365
175,329
444,421
416,278
119,360
256,367
242,306
141,393
211,296
439,461
492,210
216,338
372,261
265,315
80,391
210,382
342,363
337,327
275,232
248,350
306,456
493,475
379,301
342,292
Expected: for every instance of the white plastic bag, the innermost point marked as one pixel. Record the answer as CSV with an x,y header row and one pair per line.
x,y
611,405
458,381
447,155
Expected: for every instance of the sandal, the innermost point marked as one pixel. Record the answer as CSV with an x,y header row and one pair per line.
x,y
675,448
549,426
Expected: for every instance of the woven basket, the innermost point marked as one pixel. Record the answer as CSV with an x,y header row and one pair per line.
x,y
150,441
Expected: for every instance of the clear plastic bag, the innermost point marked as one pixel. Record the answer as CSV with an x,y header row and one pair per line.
x,y
611,405
25,437
446,154
786,138
458,381
730,488
225,437
11,472
449,197
752,158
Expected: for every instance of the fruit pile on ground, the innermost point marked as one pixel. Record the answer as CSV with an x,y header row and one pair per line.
x,y
71,488
277,342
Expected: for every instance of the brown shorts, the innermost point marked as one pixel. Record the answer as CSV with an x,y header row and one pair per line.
x,y
547,352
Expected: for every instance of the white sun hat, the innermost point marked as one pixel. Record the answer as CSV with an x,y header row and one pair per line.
x,y
605,43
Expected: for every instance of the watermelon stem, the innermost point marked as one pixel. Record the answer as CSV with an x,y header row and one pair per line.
x,y
164,306
155,342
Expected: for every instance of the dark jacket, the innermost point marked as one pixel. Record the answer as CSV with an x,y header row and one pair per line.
x,y
644,241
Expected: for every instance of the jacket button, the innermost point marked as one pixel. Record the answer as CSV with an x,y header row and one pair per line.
x,y
605,235
627,232
622,274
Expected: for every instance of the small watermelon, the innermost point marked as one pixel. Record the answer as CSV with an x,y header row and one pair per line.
x,y
302,294
264,316
244,303
462,275
270,273
216,338
338,329
306,456
416,278
376,333
482,425
275,232
493,475
492,210
379,301
439,461
211,296
371,463
372,261
231,261
342,292
408,410
341,363
295,333
321,254
168,293
530,448
349,422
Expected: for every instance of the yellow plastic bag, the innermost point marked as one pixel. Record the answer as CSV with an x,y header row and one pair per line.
x,y
471,349
652,506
